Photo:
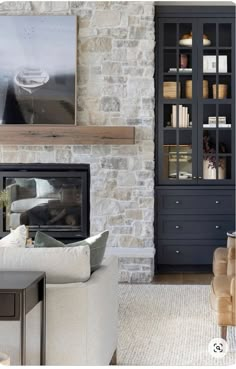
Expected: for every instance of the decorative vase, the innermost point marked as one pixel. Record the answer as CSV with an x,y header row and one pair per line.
x,y
4,359
183,60
209,172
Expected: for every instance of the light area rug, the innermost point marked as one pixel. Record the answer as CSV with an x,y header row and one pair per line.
x,y
168,325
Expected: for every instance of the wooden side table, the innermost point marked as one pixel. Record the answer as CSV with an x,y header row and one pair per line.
x,y
20,292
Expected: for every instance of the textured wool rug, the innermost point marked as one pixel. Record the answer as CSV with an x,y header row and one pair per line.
x,y
168,325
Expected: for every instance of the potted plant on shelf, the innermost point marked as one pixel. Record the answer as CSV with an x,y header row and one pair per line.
x,y
210,164
4,198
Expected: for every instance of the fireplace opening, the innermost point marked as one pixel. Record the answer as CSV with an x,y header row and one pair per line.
x,y
53,198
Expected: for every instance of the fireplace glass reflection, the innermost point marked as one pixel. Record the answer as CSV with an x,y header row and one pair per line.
x,y
51,203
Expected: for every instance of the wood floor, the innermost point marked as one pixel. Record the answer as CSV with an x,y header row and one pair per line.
x,y
183,278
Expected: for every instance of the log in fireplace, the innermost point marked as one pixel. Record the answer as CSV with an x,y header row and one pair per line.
x,y
53,198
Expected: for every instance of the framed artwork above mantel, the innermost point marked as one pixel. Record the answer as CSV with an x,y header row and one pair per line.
x,y
38,69
38,85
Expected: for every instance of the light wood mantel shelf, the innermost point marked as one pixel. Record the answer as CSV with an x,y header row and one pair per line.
x,y
14,134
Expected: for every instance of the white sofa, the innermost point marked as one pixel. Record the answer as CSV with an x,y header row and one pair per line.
x,y
81,322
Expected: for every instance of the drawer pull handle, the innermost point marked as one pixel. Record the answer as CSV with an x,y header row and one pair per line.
x,y
177,226
177,201
217,226
200,177
177,252
194,177
217,202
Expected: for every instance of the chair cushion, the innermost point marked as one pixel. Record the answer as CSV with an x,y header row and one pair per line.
x,y
96,243
17,238
220,261
62,265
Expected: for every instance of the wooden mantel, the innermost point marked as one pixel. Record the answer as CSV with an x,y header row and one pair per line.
x,y
18,134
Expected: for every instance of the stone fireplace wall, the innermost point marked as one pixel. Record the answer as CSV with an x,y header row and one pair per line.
x,y
115,87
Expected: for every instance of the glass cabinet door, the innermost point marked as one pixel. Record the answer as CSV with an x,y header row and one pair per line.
x,y
216,111
177,79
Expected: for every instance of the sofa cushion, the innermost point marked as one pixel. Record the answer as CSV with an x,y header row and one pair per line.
x,y
16,238
96,243
62,265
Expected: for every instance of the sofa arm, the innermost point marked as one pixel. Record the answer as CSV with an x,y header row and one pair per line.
x,y
82,318
102,325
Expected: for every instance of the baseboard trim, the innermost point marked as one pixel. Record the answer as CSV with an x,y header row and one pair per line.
x,y
147,252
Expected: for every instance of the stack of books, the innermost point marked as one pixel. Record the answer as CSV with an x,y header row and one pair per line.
x,y
183,114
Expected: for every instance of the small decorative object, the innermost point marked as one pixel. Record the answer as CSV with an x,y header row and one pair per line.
x,y
187,40
222,91
170,90
209,172
4,359
212,120
209,64
183,61
222,123
189,88
209,162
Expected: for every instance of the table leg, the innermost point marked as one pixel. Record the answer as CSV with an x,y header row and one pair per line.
x,y
43,325
22,329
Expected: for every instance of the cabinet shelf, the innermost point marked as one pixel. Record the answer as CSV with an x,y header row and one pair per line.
x,y
216,101
217,48
215,74
177,101
180,128
177,73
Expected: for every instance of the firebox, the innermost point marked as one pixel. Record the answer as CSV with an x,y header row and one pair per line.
x,y
53,198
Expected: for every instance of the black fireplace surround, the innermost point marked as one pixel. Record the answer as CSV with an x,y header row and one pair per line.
x,y
53,198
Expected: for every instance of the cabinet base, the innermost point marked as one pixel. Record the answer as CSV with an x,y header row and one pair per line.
x,y
161,269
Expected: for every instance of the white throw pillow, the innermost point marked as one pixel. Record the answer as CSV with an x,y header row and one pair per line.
x,y
17,238
61,264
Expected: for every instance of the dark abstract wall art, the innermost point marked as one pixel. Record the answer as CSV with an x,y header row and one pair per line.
x,y
37,69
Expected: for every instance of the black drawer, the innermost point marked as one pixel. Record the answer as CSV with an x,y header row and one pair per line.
x,y
194,227
7,305
185,255
208,201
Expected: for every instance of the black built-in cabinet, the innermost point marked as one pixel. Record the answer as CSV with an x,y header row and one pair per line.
x,y
195,134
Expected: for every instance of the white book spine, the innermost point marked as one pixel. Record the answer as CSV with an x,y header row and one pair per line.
x,y
173,115
185,116
180,116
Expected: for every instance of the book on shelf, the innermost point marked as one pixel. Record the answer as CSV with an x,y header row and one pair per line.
x,y
183,116
174,116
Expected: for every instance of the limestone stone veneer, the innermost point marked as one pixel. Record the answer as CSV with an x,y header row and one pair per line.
x,y
115,87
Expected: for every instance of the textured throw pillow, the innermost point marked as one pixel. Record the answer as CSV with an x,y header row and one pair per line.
x,y
96,243
97,246
43,240
17,238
